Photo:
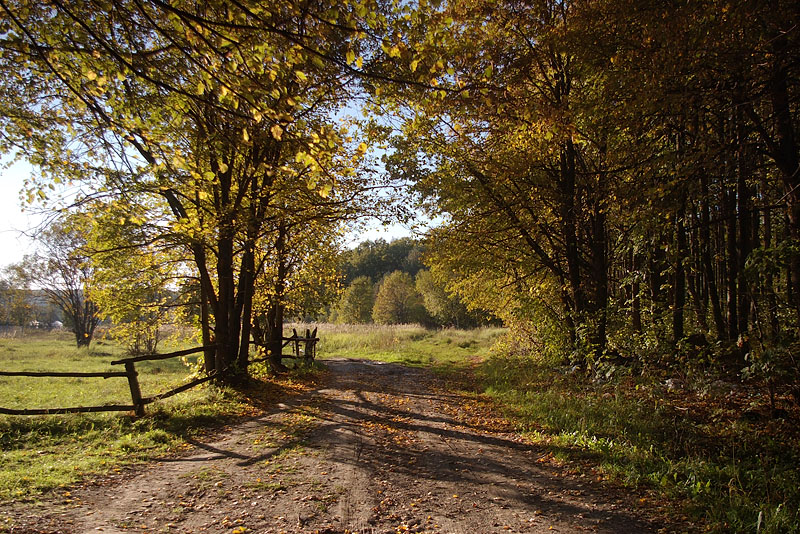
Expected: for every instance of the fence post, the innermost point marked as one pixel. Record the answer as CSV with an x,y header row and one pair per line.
x,y
136,392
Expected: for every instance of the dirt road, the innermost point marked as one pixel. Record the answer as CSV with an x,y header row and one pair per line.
x,y
381,449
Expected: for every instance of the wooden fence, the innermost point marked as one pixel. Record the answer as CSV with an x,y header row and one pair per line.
x,y
303,347
137,401
308,352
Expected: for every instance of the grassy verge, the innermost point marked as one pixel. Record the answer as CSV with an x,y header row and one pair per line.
x,y
44,453
688,445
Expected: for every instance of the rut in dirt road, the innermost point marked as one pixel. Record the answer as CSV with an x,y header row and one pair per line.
x,y
381,449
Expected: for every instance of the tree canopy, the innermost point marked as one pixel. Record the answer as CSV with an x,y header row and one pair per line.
x,y
218,122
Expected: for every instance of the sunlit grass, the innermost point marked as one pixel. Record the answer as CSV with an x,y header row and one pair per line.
x,y
407,344
45,453
57,353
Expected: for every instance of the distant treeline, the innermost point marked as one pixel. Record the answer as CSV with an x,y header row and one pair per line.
x,y
387,283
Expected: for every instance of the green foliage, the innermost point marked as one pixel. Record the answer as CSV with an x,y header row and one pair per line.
x,y
17,306
376,259
130,284
356,303
445,308
397,301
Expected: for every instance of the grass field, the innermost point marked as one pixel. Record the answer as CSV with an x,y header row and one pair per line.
x,y
412,345
44,453
57,352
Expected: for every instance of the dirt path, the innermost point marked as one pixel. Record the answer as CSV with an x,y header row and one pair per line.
x,y
382,449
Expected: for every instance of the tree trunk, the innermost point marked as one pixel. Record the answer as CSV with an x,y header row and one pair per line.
x,y
679,284
708,266
209,360
744,196
636,303
245,296
599,307
226,329
769,283
570,230
786,156
732,263
275,315
694,275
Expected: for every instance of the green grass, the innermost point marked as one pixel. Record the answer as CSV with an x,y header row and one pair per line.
x,y
685,446
411,345
57,352
40,454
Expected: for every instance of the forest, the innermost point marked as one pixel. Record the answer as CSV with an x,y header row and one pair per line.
x,y
615,182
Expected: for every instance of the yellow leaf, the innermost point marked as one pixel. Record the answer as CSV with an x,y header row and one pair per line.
x,y
92,75
277,132
360,62
351,57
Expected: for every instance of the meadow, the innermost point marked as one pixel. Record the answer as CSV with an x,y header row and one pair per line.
x,y
41,454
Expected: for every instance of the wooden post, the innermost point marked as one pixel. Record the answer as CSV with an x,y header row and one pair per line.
x,y
136,392
311,346
296,343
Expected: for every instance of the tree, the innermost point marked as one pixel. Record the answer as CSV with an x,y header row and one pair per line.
x,y
357,302
508,151
445,308
134,286
63,271
213,116
397,301
378,258
16,307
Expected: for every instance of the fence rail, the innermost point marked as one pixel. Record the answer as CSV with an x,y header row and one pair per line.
x,y
77,409
138,402
99,374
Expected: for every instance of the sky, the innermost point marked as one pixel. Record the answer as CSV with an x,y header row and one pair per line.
x,y
14,221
